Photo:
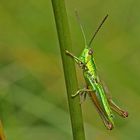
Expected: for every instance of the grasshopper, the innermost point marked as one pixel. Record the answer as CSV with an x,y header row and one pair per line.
x,y
94,87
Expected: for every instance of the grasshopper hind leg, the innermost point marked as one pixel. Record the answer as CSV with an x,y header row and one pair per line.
x,y
106,122
113,105
117,109
83,92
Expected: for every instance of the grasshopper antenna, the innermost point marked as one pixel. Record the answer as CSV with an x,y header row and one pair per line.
x,y
82,29
95,33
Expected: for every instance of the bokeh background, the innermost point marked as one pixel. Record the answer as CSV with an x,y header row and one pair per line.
x,y
33,100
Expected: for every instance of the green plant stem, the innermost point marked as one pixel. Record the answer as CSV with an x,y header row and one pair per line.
x,y
69,68
2,136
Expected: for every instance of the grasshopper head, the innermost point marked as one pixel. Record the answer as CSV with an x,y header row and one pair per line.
x,y
86,55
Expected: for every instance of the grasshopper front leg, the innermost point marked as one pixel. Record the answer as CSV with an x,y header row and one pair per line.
x,y
73,56
77,60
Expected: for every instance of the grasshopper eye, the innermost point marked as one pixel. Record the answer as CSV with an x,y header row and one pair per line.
x,y
80,64
111,116
90,52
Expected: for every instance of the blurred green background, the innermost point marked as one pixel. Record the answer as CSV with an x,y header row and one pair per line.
x,y
33,101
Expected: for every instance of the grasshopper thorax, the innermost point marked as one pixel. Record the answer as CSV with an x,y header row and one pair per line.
x,y
88,61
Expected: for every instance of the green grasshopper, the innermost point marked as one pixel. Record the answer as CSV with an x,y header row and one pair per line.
x,y
94,87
